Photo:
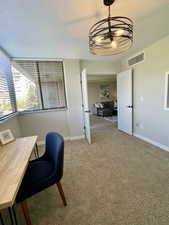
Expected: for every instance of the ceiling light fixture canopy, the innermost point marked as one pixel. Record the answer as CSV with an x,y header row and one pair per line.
x,y
112,35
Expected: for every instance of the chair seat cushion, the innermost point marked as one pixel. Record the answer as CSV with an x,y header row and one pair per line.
x,y
39,176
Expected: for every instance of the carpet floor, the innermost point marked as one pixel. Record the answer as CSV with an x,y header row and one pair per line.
x,y
117,180
98,123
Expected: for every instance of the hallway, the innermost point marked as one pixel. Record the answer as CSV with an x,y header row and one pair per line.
x,y
98,123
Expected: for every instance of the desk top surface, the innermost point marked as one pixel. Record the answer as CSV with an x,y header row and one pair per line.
x,y
14,158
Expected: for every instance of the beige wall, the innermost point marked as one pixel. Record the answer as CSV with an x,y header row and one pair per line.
x,y
100,67
150,119
13,125
74,97
43,122
94,92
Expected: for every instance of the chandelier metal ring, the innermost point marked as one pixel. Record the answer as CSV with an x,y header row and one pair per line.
x,y
110,36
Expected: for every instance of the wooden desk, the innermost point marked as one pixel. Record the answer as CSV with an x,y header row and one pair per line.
x,y
14,158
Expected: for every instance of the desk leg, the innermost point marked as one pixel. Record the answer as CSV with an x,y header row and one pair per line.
x,y
12,215
37,150
35,153
1,219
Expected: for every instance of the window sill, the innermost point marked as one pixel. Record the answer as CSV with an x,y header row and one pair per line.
x,y
43,111
30,112
6,118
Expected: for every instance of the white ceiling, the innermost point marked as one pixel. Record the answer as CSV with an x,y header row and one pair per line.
x,y
59,28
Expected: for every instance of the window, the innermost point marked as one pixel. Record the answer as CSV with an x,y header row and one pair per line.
x,y
26,86
167,92
30,86
39,85
52,84
6,99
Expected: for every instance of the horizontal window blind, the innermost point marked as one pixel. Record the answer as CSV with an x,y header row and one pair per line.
x,y
7,95
26,86
52,84
39,84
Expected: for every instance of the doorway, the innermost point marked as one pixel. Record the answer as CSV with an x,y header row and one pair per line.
x,y
102,99
107,102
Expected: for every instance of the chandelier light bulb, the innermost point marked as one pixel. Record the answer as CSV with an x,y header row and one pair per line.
x,y
114,44
119,32
98,39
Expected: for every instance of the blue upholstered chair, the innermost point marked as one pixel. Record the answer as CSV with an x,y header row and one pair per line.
x,y
43,172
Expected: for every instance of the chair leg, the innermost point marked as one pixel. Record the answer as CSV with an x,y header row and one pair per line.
x,y
26,212
61,193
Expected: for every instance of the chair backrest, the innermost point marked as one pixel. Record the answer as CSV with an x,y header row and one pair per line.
x,y
109,104
55,151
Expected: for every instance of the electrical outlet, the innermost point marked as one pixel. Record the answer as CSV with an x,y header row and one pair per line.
x,y
139,125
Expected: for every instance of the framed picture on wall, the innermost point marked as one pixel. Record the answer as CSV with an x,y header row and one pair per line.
x,y
105,91
6,136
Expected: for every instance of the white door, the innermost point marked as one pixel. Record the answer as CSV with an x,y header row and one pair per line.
x,y
125,101
86,111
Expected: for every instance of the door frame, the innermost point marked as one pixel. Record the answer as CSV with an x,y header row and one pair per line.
x,y
132,72
89,140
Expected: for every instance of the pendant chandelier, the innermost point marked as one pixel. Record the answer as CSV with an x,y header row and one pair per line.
x,y
112,35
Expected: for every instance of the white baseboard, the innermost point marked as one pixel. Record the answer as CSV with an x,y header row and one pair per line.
x,y
76,138
163,147
112,121
66,139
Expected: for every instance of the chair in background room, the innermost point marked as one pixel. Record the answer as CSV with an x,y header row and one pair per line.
x,y
43,172
104,108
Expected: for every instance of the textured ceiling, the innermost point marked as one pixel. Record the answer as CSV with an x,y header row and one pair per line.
x,y
59,29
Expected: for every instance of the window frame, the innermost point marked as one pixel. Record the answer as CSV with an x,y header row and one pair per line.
x,y
9,116
12,96
13,93
40,87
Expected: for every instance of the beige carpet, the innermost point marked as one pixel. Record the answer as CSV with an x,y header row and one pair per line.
x,y
102,122
117,180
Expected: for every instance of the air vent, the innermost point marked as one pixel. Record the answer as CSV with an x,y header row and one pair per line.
x,y
136,59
